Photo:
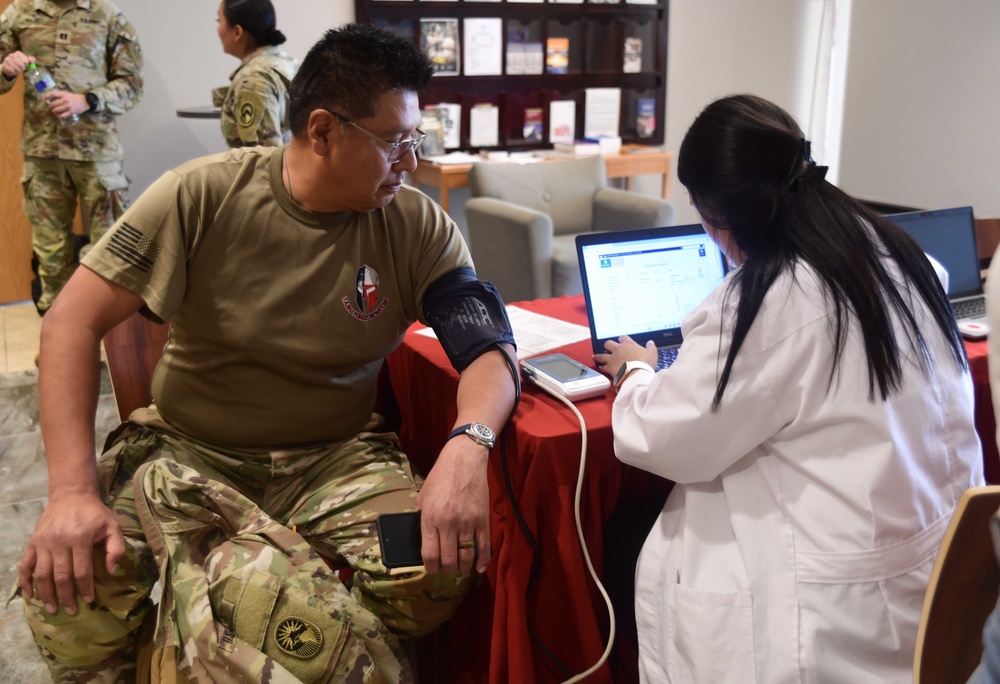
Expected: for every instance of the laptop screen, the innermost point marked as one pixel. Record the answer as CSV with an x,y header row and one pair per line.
x,y
948,235
642,283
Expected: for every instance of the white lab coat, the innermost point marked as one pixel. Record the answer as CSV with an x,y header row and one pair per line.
x,y
797,544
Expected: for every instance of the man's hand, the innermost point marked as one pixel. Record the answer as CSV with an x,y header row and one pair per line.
x,y
454,509
15,63
60,552
63,103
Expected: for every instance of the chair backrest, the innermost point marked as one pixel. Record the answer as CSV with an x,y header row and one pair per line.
x,y
961,593
133,349
563,189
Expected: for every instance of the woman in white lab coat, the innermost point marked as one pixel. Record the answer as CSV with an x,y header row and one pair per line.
x,y
818,423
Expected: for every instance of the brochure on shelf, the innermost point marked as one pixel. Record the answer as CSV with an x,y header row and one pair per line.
x,y
484,126
562,121
533,58
451,124
632,61
645,118
515,59
601,111
439,39
483,46
534,125
557,55
430,123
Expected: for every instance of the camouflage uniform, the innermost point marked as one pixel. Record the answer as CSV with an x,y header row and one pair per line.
x,y
88,47
255,106
249,593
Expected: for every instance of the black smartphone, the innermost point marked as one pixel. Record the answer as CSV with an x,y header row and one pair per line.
x,y
399,537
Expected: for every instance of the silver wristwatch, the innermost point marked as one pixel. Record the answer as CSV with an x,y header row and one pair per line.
x,y
479,433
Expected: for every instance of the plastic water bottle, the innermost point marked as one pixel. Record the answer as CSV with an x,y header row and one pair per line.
x,y
41,80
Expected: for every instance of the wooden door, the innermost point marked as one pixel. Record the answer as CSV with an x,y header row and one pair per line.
x,y
15,231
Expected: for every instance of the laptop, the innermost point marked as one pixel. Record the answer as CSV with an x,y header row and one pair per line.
x,y
642,283
949,235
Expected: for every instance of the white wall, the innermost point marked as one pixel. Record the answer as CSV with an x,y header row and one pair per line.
x,y
723,47
184,61
922,104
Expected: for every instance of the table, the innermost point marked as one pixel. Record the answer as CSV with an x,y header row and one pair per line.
x,y
204,112
633,161
488,640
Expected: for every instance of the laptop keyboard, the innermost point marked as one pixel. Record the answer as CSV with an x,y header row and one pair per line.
x,y
666,356
974,307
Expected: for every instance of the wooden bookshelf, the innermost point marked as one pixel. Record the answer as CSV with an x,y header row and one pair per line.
x,y
596,32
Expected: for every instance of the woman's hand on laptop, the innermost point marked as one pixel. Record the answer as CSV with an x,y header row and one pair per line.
x,y
625,349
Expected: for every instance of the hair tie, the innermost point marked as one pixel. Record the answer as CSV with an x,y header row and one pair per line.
x,y
803,166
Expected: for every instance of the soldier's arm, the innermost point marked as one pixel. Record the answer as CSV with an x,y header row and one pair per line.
x,y
256,109
124,87
8,45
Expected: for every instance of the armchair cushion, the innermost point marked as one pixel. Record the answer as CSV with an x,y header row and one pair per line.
x,y
523,222
561,189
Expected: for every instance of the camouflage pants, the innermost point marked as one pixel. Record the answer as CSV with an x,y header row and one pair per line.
x,y
230,529
51,188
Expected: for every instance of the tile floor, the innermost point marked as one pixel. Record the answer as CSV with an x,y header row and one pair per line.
x,y
23,477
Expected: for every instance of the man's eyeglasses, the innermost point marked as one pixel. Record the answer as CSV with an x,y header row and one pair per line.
x,y
397,150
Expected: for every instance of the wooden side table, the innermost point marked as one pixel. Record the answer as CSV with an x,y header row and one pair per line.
x,y
633,161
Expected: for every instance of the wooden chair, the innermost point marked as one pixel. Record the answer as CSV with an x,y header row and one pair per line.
x,y
133,349
961,593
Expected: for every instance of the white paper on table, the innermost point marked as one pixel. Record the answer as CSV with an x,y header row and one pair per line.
x,y
562,120
483,46
601,112
454,158
484,126
536,333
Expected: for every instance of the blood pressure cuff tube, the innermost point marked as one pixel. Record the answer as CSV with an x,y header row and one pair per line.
x,y
468,316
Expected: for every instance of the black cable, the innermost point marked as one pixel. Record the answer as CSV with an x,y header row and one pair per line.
x,y
536,561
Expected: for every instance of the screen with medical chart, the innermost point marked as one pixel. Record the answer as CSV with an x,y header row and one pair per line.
x,y
643,286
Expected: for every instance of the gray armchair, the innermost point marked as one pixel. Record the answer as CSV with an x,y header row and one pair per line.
x,y
523,221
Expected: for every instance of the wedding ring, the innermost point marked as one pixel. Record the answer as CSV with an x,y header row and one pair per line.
x,y
470,544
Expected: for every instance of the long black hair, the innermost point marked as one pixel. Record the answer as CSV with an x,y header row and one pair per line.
x,y
256,17
749,171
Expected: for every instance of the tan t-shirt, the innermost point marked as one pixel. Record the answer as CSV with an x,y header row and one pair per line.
x,y
280,317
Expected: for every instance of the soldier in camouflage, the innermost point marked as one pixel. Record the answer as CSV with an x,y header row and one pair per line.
x,y
287,275
255,106
93,54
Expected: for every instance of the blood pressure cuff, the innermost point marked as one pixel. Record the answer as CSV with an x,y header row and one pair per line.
x,y
468,316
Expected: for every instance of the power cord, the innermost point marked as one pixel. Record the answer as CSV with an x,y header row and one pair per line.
x,y
571,679
583,543
509,487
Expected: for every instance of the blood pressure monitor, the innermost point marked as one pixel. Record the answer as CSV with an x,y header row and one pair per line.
x,y
560,375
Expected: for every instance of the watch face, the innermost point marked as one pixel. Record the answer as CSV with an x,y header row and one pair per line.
x,y
482,431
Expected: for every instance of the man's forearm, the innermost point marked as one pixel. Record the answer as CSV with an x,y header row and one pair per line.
x,y
486,389
68,388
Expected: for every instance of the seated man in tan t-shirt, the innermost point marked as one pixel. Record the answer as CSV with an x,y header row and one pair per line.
x,y
287,275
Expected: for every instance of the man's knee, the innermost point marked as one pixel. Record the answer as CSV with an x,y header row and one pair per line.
x,y
411,604
102,632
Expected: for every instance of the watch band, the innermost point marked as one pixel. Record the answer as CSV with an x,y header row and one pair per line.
x,y
626,369
477,432
92,101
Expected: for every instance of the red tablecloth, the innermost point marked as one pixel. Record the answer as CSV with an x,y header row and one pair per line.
x,y
986,424
488,639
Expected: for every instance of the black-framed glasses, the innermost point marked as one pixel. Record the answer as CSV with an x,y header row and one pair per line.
x,y
397,150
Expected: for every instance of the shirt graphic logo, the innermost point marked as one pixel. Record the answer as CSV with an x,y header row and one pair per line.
x,y
366,304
